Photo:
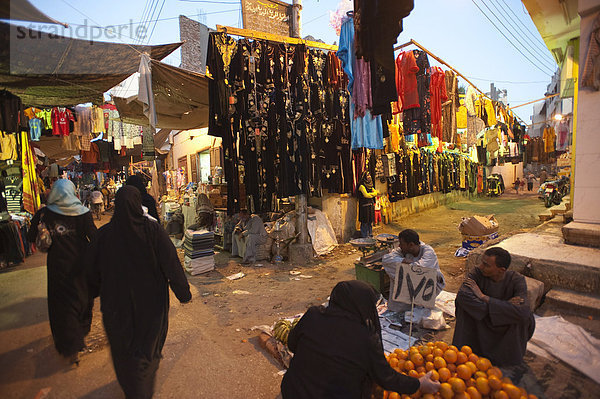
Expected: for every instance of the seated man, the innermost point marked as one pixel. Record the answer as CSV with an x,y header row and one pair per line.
x,y
492,311
247,236
412,251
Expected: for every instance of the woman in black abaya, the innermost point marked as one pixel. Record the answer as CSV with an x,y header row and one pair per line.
x,y
147,200
338,352
131,265
71,227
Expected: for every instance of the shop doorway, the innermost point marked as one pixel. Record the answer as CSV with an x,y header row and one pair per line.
x,y
203,166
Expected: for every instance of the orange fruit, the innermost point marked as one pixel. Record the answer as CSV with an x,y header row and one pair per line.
x,y
472,366
442,345
445,374
463,371
470,382
450,356
409,365
453,347
461,358
473,358
413,373
393,362
400,354
438,352
429,358
394,395
435,376
500,395
401,364
439,362
424,350
421,369
446,391
483,364
428,396
480,374
495,371
512,391
429,366
462,395
457,384
466,349
452,367
473,393
417,359
494,382
431,344
482,386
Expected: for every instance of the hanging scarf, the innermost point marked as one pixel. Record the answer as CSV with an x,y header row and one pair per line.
x,y
63,199
31,195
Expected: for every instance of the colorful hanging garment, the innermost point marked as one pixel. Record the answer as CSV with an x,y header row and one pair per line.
x,y
31,195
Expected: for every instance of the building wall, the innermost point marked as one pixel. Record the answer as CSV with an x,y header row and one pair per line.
x,y
189,142
586,203
509,172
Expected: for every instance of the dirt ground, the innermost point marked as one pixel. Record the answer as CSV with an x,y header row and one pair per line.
x,y
211,350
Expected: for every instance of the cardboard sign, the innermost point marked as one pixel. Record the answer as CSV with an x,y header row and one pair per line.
x,y
415,283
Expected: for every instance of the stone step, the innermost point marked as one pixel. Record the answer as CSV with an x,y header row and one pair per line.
x,y
545,216
558,209
570,302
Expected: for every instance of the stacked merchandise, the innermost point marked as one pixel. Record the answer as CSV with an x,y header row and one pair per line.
x,y
199,251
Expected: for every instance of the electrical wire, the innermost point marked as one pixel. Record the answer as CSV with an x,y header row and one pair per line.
x,y
154,26
546,58
314,19
526,48
159,20
145,18
535,36
211,1
508,81
149,17
511,43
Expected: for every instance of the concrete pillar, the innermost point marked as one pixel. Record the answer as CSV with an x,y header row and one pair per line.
x,y
585,228
296,22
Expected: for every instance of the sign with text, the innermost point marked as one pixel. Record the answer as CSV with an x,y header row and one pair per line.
x,y
415,283
270,16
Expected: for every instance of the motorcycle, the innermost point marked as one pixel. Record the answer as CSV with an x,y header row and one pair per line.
x,y
552,192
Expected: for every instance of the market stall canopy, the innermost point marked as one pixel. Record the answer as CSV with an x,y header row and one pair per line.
x,y
180,98
53,147
160,139
23,10
49,70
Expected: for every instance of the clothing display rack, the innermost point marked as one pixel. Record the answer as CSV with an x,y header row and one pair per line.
x,y
254,34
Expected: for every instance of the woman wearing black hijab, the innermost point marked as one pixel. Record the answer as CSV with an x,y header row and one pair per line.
x,y
131,265
338,351
147,200
71,227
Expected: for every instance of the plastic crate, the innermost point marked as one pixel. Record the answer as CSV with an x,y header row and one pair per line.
x,y
377,278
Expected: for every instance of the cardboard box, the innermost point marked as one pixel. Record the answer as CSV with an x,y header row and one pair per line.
x,y
478,225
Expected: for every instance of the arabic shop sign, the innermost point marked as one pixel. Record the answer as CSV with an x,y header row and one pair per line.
x,y
269,16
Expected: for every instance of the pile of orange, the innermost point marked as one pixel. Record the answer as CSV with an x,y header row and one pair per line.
x,y
462,374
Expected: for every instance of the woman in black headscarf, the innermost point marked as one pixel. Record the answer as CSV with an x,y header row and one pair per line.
x,y
338,351
147,200
366,205
71,227
131,264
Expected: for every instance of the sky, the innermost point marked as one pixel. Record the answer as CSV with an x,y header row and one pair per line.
x,y
496,42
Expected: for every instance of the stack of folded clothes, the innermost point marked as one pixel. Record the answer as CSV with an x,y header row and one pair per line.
x,y
199,251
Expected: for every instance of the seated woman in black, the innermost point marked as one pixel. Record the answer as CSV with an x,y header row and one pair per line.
x,y
338,351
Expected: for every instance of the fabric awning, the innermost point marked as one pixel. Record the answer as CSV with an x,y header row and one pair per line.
x,y
23,10
48,70
180,98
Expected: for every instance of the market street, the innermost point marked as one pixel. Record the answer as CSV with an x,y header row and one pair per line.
x,y
211,351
